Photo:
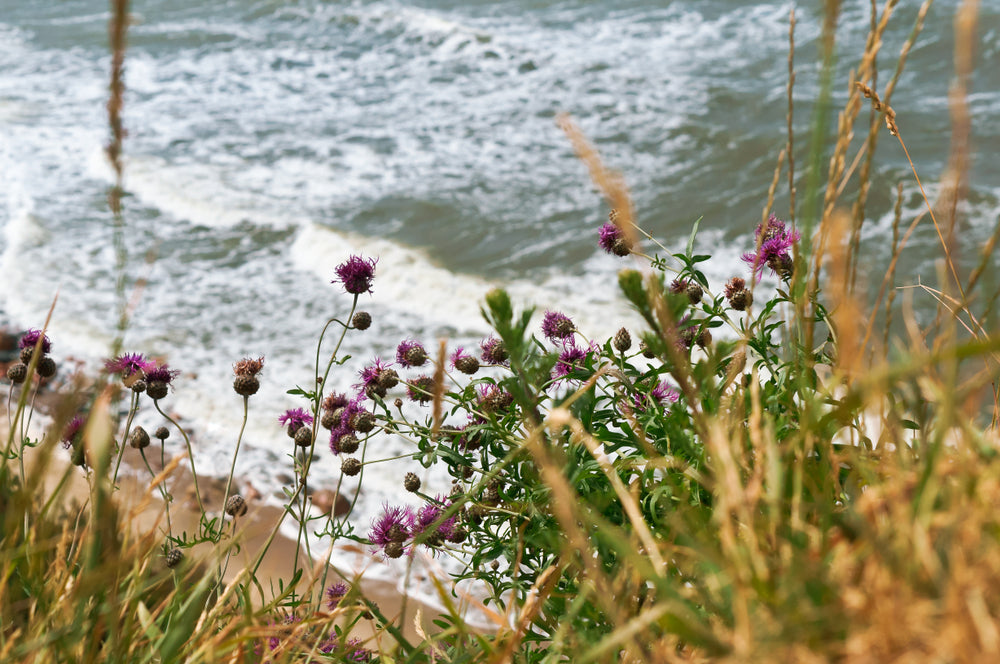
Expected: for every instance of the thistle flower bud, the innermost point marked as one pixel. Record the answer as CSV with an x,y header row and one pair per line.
x,y
246,386
457,535
411,482
139,439
694,293
467,364
704,338
362,422
361,320
303,437
398,403
331,418
393,550
646,351
738,296
174,558
623,340
139,386
25,354
348,443
387,379
162,433
350,466
156,389
17,373
236,506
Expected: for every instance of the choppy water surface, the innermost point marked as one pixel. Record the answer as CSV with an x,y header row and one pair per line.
x,y
269,140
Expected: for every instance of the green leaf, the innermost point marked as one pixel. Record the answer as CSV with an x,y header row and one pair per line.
x,y
694,233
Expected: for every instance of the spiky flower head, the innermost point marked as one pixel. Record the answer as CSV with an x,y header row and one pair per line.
x,y
410,353
493,398
334,594
678,286
773,242
373,378
734,286
162,374
427,516
661,393
464,362
158,379
393,526
571,358
613,241
344,427
30,339
335,400
73,432
557,326
129,364
295,419
494,351
246,382
356,274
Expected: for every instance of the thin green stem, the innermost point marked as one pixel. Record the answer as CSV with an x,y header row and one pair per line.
x,y
163,490
132,410
187,442
232,467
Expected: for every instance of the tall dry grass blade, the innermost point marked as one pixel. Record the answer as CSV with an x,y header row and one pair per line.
x,y
790,146
611,183
438,397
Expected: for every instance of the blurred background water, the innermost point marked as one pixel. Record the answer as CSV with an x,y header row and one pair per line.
x,y
270,139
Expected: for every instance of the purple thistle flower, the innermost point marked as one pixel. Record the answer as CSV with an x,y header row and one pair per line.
x,y
458,356
162,374
334,594
613,241
356,274
295,419
410,353
494,351
128,364
30,338
773,241
426,517
660,394
557,326
334,401
394,526
571,358
371,378
72,431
